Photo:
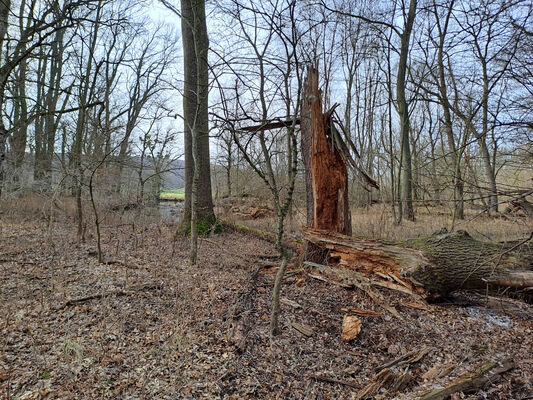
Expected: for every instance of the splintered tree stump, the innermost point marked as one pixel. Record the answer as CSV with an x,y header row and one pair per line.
x,y
327,195
329,174
433,266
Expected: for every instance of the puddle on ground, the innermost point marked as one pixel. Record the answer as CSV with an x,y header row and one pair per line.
x,y
171,211
165,211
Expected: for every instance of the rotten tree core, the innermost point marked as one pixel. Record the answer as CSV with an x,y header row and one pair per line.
x,y
329,173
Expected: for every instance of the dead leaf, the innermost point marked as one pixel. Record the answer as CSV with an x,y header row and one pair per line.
x,y
351,326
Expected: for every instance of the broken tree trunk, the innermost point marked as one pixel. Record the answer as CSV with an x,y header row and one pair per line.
x,y
326,172
329,175
433,266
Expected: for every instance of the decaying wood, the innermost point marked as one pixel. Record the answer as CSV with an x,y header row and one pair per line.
x,y
431,266
471,381
329,175
326,154
352,279
238,319
118,293
358,311
438,371
333,380
290,303
401,381
303,329
326,172
381,379
407,358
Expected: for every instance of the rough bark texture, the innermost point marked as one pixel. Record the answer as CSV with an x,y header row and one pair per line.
x,y
459,261
195,48
432,266
306,138
4,133
403,111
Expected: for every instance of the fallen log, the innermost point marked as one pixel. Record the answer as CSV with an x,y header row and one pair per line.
x,y
471,381
433,266
238,322
117,293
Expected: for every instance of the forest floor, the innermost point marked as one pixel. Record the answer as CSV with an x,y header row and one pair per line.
x,y
147,325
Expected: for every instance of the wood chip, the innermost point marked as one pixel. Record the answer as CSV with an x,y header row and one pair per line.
x,y
290,303
303,329
438,371
359,311
377,382
407,358
332,380
393,286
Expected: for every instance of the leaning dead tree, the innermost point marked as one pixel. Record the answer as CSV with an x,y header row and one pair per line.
x,y
430,267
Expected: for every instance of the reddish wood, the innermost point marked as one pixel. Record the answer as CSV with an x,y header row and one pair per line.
x,y
329,173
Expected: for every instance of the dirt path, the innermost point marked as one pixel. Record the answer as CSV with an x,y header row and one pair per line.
x,y
156,328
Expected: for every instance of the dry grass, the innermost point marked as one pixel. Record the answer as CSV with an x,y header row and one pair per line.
x,y
376,222
369,222
36,205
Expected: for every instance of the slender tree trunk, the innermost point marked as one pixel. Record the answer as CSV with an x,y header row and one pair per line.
x,y
194,200
20,135
489,174
228,176
403,111
305,145
458,185
4,24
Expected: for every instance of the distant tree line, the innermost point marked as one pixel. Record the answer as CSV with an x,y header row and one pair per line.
x,y
436,96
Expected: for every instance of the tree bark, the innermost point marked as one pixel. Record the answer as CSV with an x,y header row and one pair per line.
x,y
5,6
403,111
305,144
195,108
433,266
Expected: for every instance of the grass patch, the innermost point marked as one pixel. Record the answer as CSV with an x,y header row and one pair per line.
x,y
172,193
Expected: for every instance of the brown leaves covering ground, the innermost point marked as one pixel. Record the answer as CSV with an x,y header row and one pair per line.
x,y
168,338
